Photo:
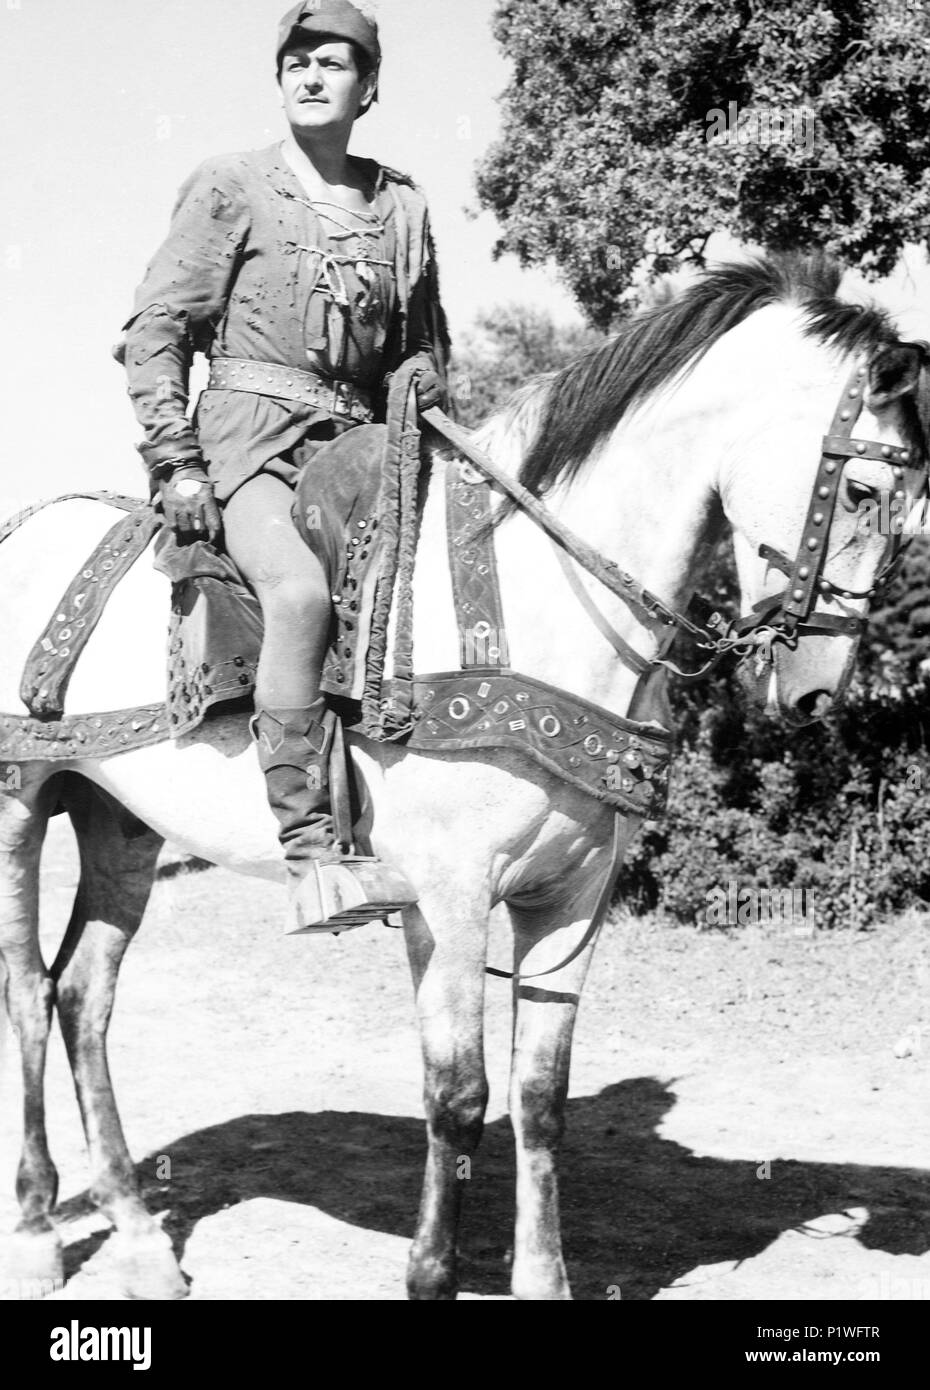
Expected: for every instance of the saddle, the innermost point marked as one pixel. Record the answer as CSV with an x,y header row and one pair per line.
x,y
358,505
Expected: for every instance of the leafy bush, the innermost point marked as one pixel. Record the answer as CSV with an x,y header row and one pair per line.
x,y
839,809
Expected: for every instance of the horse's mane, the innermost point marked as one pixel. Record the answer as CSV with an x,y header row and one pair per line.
x,y
565,416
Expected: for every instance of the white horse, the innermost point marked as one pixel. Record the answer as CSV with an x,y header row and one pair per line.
x,y
708,410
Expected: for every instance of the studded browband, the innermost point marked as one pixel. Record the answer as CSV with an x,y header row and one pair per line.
x,y
790,613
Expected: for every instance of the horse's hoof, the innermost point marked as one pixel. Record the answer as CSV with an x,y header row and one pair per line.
x,y
544,1283
147,1267
31,1265
431,1280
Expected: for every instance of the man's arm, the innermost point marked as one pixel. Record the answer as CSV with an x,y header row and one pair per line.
x,y
177,308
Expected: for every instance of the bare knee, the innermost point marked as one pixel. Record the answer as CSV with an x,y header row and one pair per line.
x,y
293,599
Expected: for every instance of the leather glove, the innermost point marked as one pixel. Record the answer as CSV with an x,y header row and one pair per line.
x,y
189,507
430,390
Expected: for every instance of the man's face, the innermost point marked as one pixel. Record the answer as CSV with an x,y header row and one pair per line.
x,y
321,86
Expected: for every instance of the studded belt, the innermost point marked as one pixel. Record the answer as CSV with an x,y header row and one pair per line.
x,y
291,384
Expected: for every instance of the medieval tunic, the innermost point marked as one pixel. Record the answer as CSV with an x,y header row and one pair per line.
x,y
253,268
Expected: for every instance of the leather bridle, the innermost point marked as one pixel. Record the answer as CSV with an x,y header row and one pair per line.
x,y
781,617
790,614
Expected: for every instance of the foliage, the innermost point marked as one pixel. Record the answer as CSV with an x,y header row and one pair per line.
x,y
840,809
614,145
898,638
506,347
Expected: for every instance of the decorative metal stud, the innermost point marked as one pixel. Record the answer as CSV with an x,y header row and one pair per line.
x,y
818,518
812,542
798,595
804,572
829,466
845,414
860,447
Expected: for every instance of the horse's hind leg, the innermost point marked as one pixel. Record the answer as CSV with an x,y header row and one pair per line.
x,y
545,1011
34,1260
117,871
446,943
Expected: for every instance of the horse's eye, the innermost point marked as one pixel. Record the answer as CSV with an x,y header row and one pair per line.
x,y
857,493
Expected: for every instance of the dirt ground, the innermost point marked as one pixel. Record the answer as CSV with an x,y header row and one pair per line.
x,y
748,1115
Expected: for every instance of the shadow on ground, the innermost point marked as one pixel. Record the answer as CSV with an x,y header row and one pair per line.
x,y
638,1211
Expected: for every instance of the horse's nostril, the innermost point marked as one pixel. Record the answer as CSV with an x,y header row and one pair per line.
x,y
816,704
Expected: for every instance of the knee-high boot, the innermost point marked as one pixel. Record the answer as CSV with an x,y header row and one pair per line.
x,y
293,752
330,889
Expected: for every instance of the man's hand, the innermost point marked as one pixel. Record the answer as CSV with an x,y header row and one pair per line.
x,y
189,506
429,390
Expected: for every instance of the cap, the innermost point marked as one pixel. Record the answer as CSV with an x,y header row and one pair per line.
x,y
336,17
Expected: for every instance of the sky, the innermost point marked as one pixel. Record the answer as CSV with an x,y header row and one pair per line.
x,y
107,105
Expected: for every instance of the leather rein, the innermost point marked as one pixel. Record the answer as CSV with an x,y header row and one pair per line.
x,y
782,617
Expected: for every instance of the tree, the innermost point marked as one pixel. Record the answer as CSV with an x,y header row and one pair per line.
x,y
506,347
634,129
897,640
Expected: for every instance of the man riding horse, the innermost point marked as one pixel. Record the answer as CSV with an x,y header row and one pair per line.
x,y
307,275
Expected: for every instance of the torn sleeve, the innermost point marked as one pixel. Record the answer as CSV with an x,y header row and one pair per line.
x,y
179,306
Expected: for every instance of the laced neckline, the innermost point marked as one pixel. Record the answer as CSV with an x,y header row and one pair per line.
x,y
303,196
372,224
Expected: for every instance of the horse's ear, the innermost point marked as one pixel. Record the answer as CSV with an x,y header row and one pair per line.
x,y
893,372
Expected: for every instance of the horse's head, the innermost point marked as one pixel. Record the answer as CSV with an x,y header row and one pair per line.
x,y
817,528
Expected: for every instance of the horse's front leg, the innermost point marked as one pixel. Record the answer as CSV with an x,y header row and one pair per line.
x,y
34,1259
446,943
545,1010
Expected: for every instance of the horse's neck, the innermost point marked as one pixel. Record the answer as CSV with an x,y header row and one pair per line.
x,y
649,515
649,500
